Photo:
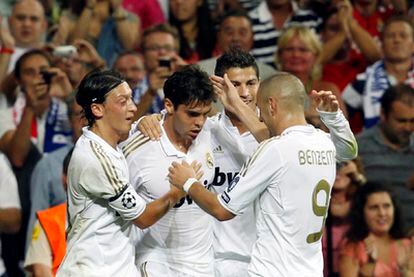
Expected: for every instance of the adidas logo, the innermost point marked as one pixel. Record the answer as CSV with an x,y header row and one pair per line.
x,y
218,149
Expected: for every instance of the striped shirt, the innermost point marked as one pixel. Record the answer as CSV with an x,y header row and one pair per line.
x,y
266,35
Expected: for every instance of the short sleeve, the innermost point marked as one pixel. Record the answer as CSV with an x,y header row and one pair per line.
x,y
128,204
39,251
254,177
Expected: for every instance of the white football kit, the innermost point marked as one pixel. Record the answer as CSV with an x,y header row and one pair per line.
x,y
233,239
101,205
181,241
290,178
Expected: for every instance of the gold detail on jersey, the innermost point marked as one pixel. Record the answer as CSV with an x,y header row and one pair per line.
x,y
108,167
143,269
36,232
209,160
319,211
134,144
254,156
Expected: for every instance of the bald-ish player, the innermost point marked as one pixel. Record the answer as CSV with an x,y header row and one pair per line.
x,y
290,176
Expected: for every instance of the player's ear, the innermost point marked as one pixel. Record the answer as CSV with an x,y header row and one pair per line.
x,y
169,106
272,102
97,110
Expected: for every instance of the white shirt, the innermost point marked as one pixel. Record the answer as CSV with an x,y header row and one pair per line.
x,y
9,195
233,239
289,177
101,205
183,238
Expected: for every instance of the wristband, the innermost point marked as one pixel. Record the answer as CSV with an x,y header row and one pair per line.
x,y
5,50
187,185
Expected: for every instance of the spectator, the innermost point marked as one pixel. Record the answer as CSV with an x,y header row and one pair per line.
x,y
270,18
349,176
37,113
298,52
45,183
105,24
9,204
385,149
375,243
235,30
27,25
160,42
131,65
364,93
195,27
48,243
348,48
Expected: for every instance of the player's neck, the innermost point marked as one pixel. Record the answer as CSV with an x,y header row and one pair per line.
x,y
180,143
289,120
106,134
237,123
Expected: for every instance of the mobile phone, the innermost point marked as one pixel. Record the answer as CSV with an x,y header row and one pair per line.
x,y
47,76
64,51
164,62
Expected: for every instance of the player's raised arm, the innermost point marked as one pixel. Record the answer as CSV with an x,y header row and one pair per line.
x,y
333,118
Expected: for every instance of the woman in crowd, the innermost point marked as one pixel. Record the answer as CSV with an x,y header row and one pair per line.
x,y
375,243
298,53
349,176
195,27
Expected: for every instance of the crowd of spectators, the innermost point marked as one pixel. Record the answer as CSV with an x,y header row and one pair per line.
x,y
361,50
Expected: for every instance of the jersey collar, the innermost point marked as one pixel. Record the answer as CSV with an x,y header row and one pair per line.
x,y
94,137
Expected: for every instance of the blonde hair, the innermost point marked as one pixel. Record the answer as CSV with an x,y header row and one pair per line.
x,y
309,38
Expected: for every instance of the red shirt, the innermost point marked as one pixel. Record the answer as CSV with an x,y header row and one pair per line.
x,y
373,23
148,11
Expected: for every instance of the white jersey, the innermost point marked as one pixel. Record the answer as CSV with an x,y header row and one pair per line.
x,y
101,205
233,239
183,238
290,177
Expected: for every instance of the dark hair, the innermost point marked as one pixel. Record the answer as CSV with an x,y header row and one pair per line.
x,y
397,18
27,55
187,85
66,161
235,57
358,229
93,89
161,28
206,35
235,13
400,92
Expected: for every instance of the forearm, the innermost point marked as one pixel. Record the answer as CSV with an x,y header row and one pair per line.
x,y
365,42
208,202
10,220
145,103
156,210
4,65
341,135
81,29
127,28
331,47
250,120
19,145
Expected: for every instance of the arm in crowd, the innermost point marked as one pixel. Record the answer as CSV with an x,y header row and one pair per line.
x,y
350,29
7,44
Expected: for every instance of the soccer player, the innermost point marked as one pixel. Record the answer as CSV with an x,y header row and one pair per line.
x,y
290,177
101,202
180,244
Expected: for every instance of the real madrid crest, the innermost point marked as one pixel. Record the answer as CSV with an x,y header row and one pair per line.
x,y
209,160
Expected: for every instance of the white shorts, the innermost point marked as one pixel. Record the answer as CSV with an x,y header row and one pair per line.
x,y
230,268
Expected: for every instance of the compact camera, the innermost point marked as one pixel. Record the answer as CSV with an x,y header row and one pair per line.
x,y
65,51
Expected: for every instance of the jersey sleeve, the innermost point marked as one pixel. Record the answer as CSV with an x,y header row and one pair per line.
x,y
105,179
341,135
262,168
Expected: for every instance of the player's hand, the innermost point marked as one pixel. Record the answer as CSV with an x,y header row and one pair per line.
x,y
325,100
226,92
149,126
179,173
